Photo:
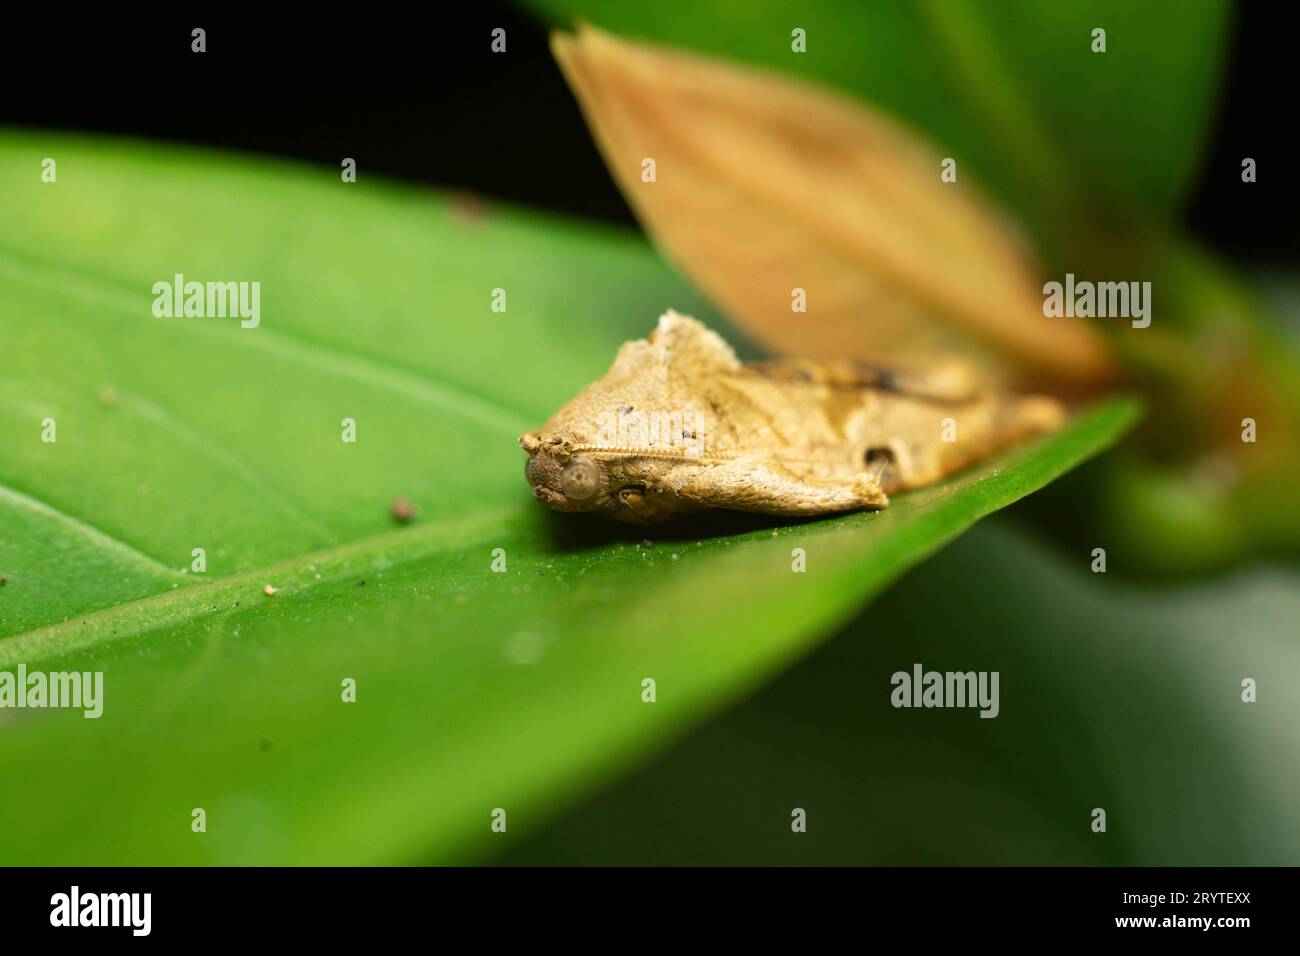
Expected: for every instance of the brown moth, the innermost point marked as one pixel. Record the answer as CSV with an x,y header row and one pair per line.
x,y
678,424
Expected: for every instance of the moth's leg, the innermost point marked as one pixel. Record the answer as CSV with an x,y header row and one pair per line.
x,y
772,488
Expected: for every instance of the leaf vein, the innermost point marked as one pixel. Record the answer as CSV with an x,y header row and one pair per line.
x,y
373,371
100,537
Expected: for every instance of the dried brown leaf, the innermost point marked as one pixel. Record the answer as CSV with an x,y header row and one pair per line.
x,y
764,185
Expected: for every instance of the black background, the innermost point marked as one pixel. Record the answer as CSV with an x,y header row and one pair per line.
x,y
421,97
364,907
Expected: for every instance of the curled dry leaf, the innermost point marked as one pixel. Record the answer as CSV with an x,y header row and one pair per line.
x,y
764,185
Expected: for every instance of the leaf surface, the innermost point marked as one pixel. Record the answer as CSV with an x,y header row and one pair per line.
x,y
475,689
1084,660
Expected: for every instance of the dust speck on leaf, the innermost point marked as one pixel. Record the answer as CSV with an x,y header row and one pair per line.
x,y
467,208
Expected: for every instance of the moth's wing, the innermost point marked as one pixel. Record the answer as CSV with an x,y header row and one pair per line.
x,y
768,487
940,379
901,427
766,189
907,437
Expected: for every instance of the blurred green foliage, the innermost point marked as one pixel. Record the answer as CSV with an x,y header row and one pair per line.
x,y
1113,695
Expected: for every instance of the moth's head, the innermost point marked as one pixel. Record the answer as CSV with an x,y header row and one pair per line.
x,y
603,449
561,479
565,479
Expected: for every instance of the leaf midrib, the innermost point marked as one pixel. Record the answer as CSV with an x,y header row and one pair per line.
x,y
291,577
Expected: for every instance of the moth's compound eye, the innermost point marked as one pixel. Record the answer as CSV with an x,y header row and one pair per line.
x,y
579,479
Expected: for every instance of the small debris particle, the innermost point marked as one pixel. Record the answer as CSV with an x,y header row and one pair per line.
x,y
467,207
264,746
647,543
403,510
774,534
361,583
3,580
269,589
674,557
107,396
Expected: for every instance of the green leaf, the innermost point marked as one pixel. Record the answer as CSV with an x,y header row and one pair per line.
x,y
174,434
1111,695
475,689
1012,91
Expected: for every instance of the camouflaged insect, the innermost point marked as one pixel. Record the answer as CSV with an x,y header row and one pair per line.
x,y
679,424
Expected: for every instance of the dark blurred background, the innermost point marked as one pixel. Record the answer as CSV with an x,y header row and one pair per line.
x,y
425,100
